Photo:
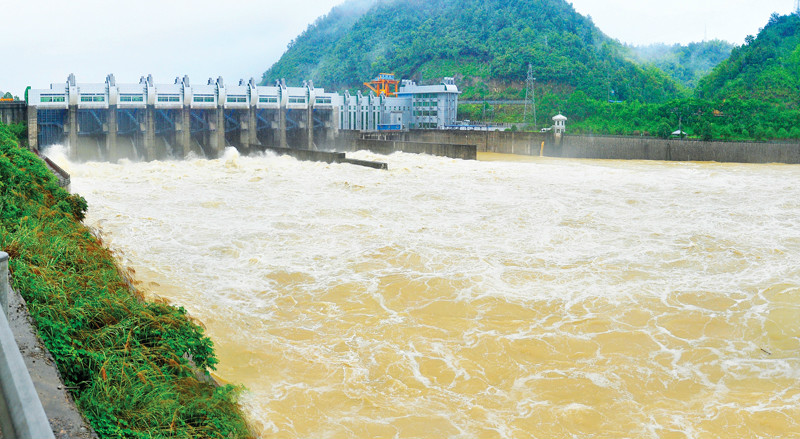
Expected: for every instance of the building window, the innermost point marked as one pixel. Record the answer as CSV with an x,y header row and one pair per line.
x,y
169,98
131,98
237,99
93,98
268,100
49,98
325,100
297,100
203,98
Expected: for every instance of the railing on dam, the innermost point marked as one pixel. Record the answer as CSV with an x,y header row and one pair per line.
x,y
21,412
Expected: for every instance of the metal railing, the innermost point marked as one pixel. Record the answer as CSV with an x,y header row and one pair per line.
x,y
21,412
64,179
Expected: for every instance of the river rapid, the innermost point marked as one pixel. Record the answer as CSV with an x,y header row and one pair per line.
x,y
503,298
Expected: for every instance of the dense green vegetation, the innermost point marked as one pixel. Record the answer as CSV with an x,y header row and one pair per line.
x,y
686,64
766,68
486,44
753,95
133,365
601,85
733,119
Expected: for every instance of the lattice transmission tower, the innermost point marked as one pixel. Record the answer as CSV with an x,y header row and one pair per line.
x,y
530,90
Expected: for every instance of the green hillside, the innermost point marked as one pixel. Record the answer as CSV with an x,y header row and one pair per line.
x,y
766,68
486,44
685,64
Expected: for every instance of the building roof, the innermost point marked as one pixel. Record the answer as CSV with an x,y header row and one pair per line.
x,y
559,117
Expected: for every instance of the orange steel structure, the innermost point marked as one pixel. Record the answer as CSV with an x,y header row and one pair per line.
x,y
383,84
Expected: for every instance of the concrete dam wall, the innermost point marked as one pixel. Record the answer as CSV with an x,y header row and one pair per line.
x,y
12,112
639,148
613,147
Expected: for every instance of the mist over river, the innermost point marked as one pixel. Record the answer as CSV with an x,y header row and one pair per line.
x,y
503,298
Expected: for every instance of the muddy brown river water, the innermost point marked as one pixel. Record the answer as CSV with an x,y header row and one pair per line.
x,y
503,298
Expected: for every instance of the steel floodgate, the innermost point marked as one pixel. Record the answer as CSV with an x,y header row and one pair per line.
x,y
444,298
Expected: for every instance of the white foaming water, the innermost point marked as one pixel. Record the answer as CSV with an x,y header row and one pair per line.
x,y
446,298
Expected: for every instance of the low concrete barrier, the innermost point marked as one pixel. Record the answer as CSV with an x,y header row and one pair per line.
x,y
21,413
368,164
308,154
454,151
323,156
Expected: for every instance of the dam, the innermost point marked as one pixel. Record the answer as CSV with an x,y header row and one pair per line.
x,y
110,121
505,297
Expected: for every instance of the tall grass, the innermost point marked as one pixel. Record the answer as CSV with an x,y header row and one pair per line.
x,y
138,369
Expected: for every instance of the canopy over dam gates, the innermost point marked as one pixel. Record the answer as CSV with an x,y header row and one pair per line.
x,y
149,121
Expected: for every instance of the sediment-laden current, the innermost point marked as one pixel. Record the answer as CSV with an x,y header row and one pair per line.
x,y
541,298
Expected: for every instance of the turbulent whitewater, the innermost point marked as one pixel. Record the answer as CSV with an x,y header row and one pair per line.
x,y
444,298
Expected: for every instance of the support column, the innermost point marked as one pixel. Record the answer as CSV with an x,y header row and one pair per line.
x,y
252,128
219,134
111,137
333,129
310,127
185,135
33,128
150,133
282,127
72,115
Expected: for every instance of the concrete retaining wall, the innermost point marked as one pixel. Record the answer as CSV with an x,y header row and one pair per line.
x,y
13,112
324,156
589,147
464,152
387,143
638,148
504,142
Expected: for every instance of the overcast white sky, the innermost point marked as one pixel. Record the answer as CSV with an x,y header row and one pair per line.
x,y
44,40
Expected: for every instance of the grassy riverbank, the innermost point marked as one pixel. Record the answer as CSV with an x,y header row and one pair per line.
x,y
132,364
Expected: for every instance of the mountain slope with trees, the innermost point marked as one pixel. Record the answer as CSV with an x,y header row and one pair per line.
x,y
686,64
766,68
486,44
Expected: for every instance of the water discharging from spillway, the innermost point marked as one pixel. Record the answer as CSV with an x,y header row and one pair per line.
x,y
445,298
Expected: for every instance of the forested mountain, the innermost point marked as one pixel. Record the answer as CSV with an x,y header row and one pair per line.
x,y
686,64
486,44
766,68
601,85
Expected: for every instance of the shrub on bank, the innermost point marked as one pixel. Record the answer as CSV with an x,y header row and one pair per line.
x,y
133,365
